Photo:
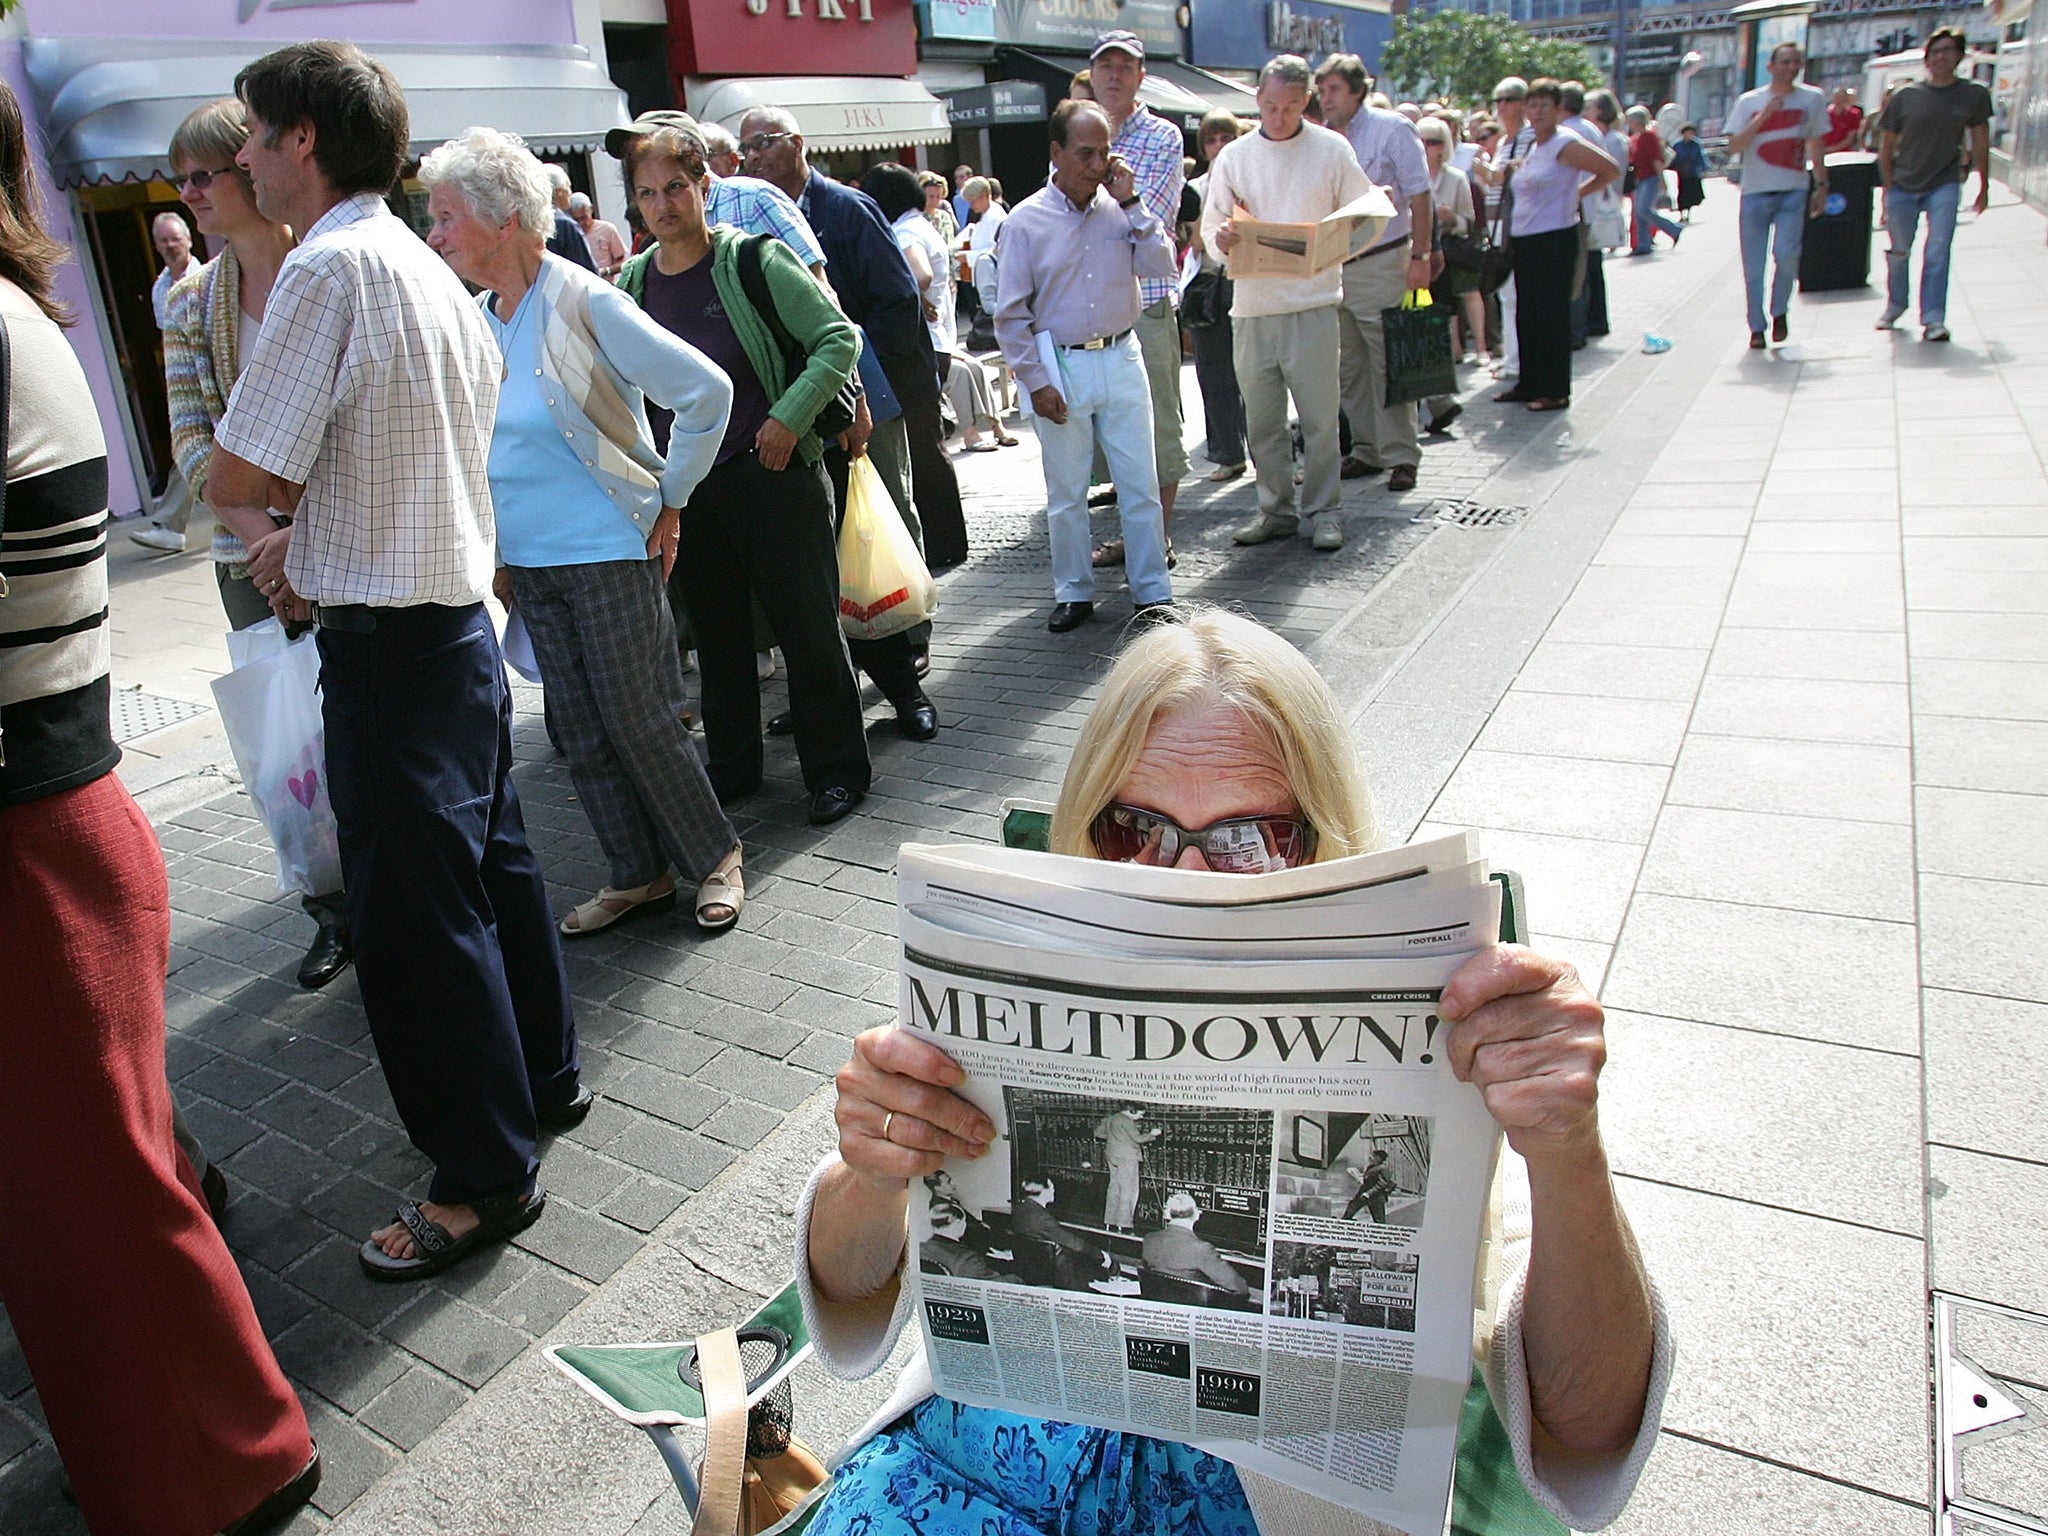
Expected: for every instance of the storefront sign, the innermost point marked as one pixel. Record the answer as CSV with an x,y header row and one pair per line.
x,y
969,21
1246,34
1289,31
1653,55
1071,26
997,105
792,37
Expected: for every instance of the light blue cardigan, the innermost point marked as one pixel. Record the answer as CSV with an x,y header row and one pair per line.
x,y
601,358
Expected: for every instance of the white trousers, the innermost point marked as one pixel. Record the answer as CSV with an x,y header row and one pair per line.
x,y
1109,404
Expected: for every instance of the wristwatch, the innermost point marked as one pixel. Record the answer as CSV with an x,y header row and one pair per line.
x,y
1129,202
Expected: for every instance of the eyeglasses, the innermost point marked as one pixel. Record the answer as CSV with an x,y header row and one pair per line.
x,y
1238,845
200,180
761,141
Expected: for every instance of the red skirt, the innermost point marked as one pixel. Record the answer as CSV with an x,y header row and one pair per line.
x,y
164,1399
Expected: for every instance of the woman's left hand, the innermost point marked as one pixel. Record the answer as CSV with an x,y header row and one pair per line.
x,y
663,541
773,444
1531,1039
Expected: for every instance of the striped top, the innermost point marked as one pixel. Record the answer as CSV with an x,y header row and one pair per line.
x,y
54,730
203,354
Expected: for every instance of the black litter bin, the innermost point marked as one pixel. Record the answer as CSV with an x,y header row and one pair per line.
x,y
1837,249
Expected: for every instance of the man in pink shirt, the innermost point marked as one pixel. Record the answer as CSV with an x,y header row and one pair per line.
x,y
607,248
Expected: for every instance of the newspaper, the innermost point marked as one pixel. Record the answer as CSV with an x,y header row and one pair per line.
x,y
1236,1193
1267,249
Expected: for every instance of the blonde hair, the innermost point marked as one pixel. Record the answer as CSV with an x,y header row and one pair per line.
x,y
210,137
1213,657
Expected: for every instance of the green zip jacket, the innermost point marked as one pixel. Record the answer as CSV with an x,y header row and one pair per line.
x,y
808,312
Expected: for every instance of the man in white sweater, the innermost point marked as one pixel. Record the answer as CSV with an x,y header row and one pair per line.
x,y
1285,327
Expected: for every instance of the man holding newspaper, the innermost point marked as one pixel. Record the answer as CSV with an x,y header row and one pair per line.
x,y
1215,747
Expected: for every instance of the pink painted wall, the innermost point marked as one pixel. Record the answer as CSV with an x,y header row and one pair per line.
x,y
123,495
378,21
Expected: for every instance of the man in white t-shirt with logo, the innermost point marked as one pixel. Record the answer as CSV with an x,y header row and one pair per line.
x,y
1777,129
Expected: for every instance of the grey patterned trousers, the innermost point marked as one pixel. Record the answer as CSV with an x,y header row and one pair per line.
x,y
606,644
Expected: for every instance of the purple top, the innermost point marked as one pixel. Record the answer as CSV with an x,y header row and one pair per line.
x,y
688,305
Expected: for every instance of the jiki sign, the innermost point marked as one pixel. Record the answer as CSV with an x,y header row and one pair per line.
x,y
792,37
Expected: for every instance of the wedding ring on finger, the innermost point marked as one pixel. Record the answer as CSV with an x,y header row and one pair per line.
x,y
888,1120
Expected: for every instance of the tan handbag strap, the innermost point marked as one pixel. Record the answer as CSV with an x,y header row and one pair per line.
x,y
725,1435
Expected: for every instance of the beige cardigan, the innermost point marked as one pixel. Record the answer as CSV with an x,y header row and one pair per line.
x,y
855,1341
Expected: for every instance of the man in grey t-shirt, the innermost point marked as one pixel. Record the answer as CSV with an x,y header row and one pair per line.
x,y
1777,129
1920,158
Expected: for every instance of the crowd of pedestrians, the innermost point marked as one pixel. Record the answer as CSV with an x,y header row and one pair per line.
x,y
643,448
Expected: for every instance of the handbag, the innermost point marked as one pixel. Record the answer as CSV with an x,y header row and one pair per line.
x,y
1465,252
1497,262
269,705
884,585
1207,300
756,1477
837,414
1419,358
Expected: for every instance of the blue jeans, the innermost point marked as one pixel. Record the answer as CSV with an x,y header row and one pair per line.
x,y
1762,213
1109,405
1648,221
1902,212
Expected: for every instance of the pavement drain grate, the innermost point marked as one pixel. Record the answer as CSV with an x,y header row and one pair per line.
x,y
137,713
1470,514
1991,1404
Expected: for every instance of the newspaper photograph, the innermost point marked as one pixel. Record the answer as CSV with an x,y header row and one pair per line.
x,y
1269,249
1235,1196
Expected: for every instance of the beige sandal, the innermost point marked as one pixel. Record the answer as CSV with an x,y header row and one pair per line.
x,y
611,906
724,889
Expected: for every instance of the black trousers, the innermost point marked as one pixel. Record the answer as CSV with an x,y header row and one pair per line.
x,y
891,662
1543,310
455,948
750,532
933,485
1596,292
1222,404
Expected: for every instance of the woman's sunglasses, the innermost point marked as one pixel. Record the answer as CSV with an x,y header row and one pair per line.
x,y
199,181
1240,845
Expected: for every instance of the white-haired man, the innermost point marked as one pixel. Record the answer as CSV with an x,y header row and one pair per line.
x,y
1175,1249
721,149
172,237
567,241
607,246
1285,342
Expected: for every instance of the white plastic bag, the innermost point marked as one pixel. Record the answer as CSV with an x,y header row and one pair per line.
x,y
270,705
884,587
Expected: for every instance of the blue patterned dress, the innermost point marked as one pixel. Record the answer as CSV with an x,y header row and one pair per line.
x,y
951,1470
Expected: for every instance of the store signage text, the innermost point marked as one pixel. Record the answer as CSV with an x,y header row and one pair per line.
x,y
828,10
1291,32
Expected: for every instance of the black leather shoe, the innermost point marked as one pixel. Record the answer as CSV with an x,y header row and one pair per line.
x,y
1442,423
326,959
1106,497
783,724
1066,616
1780,329
832,804
561,1116
917,719
214,1185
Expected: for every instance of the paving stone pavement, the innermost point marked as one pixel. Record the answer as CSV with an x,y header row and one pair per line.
x,y
702,1048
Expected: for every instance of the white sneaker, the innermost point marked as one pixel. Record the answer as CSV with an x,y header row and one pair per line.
x,y
165,540
764,665
1266,526
1889,318
1935,332
1326,531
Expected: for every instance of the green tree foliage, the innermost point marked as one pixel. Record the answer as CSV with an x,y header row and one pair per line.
x,y
1458,56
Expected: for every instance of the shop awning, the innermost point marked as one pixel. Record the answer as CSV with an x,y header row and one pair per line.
x,y
831,111
1214,91
109,107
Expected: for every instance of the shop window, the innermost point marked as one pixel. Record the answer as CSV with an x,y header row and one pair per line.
x,y
116,222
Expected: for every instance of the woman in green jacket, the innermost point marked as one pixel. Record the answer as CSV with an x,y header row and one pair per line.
x,y
759,526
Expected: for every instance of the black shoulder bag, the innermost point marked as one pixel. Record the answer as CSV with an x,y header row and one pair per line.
x,y
837,413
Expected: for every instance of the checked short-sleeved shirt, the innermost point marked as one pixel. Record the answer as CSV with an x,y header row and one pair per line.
x,y
375,383
762,208
1152,147
1390,153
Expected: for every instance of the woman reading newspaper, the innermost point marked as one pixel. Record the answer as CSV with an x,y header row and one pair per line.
x,y
1216,745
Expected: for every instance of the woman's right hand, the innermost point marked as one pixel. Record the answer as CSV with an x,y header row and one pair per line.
x,y
773,444
900,1083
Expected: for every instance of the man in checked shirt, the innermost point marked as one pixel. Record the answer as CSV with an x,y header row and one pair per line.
x,y
368,403
1152,148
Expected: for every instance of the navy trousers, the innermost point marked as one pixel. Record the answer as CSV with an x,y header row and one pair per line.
x,y
456,952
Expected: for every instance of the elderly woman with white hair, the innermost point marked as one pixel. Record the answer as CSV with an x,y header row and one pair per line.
x,y
587,516
1208,730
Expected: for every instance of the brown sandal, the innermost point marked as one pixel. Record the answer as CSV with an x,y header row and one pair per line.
x,y
611,906
724,890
